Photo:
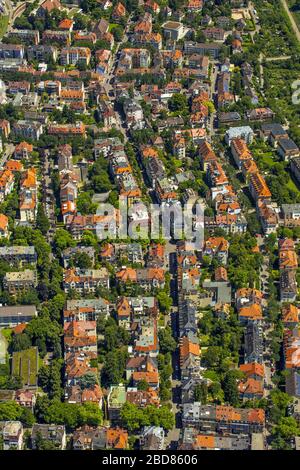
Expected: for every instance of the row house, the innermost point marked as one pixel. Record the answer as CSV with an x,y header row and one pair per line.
x,y
216,178
291,348
240,151
145,341
6,183
77,224
12,51
64,158
143,398
17,254
143,367
4,128
287,255
85,280
75,56
107,146
85,37
20,281
61,38
172,59
259,188
28,129
42,53
253,342
131,309
288,286
215,34
18,87
147,39
28,196
206,154
147,278
189,356
268,216
155,170
77,366
86,309
25,36
290,315
99,438
70,253
224,419
288,264
4,232
80,337
67,129
166,191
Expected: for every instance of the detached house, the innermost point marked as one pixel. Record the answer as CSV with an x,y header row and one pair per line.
x,y
119,12
3,226
216,247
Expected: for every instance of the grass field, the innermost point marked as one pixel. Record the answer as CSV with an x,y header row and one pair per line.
x,y
3,25
25,364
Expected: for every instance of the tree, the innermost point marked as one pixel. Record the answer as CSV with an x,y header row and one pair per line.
x,y
42,221
143,385
89,380
229,385
166,341
114,366
165,301
286,429
178,102
20,342
117,32
82,260
200,393
12,411
43,444
62,240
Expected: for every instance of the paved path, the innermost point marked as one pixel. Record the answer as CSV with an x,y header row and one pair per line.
x,y
292,20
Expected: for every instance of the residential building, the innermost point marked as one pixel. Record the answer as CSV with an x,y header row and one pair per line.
x,y
54,433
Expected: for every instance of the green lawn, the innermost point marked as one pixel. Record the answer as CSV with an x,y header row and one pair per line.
x,y
3,25
292,185
7,332
25,364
